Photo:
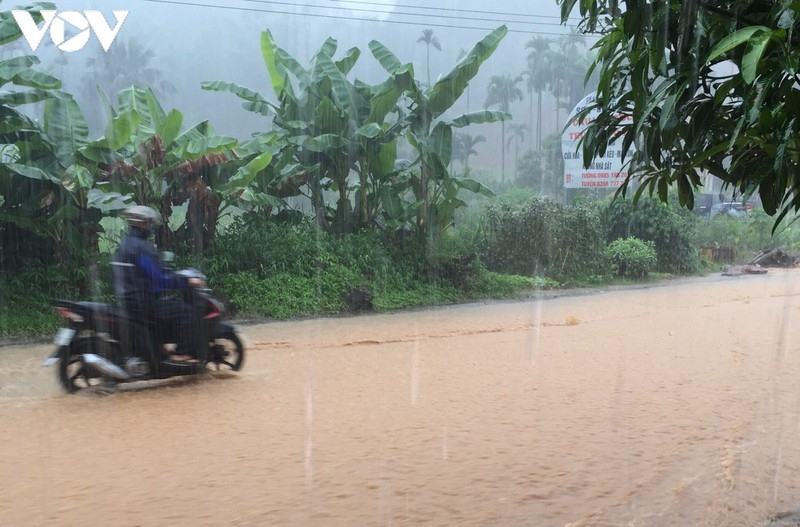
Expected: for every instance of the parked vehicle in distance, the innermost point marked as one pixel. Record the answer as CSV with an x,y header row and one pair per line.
x,y
708,205
737,209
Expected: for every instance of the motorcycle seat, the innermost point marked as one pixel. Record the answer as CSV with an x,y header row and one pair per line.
x,y
84,307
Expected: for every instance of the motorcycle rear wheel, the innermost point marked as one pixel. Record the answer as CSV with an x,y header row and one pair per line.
x,y
73,373
227,352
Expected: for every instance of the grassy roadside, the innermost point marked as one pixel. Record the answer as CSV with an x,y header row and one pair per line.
x,y
25,323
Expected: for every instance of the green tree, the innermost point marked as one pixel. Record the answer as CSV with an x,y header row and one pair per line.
x,y
328,129
429,39
517,132
568,82
127,63
144,154
529,171
42,195
553,169
332,128
538,74
503,91
699,87
434,189
464,146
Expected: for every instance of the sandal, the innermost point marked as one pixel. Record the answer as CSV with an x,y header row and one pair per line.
x,y
183,359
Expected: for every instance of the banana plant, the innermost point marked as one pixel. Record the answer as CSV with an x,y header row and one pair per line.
x,y
143,153
41,191
333,129
435,190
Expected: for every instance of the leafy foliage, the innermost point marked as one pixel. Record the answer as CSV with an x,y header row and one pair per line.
x,y
632,257
699,87
264,268
670,228
25,300
255,254
434,189
747,235
540,237
144,154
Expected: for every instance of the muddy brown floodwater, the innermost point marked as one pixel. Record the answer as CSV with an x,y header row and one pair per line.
x,y
675,405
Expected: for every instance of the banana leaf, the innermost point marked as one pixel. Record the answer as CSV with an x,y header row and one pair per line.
x,y
32,172
107,201
344,92
119,131
169,129
346,63
246,174
201,140
253,101
66,128
480,117
276,70
449,88
386,58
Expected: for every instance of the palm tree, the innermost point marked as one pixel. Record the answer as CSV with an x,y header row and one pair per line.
x,y
464,146
568,86
517,135
430,40
538,73
127,63
502,92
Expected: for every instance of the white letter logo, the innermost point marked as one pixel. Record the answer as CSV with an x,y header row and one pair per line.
x,y
104,33
84,23
28,27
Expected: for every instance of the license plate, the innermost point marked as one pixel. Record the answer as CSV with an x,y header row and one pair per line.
x,y
64,336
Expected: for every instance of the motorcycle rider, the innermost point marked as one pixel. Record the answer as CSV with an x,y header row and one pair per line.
x,y
141,283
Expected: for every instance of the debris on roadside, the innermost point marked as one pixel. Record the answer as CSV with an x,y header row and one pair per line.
x,y
738,270
766,258
774,258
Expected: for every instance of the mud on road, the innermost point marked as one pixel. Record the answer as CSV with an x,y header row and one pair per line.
x,y
666,406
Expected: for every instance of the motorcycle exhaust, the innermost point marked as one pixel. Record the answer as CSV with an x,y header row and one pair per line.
x,y
105,366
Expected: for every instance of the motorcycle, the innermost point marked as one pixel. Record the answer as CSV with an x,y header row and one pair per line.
x,y
101,345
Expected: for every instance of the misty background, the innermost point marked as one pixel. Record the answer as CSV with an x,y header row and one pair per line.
x,y
174,45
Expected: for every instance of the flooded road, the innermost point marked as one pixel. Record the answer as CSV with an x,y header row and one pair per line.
x,y
676,405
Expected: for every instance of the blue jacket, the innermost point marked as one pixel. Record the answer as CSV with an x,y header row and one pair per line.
x,y
139,277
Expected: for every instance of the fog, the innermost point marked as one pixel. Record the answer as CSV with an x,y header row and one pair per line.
x,y
192,42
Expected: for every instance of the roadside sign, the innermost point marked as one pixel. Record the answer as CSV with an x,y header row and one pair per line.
x,y
605,172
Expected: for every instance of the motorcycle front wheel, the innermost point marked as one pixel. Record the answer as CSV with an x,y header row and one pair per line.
x,y
227,352
73,373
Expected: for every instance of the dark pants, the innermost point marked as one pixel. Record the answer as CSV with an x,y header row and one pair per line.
x,y
171,319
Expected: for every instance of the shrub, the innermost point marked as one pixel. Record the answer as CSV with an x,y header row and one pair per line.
x,y
578,244
632,257
26,296
540,237
517,238
670,228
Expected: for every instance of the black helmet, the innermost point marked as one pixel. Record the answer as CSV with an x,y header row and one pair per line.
x,y
140,216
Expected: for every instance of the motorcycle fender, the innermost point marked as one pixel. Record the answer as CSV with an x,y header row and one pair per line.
x,y
59,354
222,328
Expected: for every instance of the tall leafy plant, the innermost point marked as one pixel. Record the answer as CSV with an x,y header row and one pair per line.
x,y
144,154
503,91
434,189
43,192
331,128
